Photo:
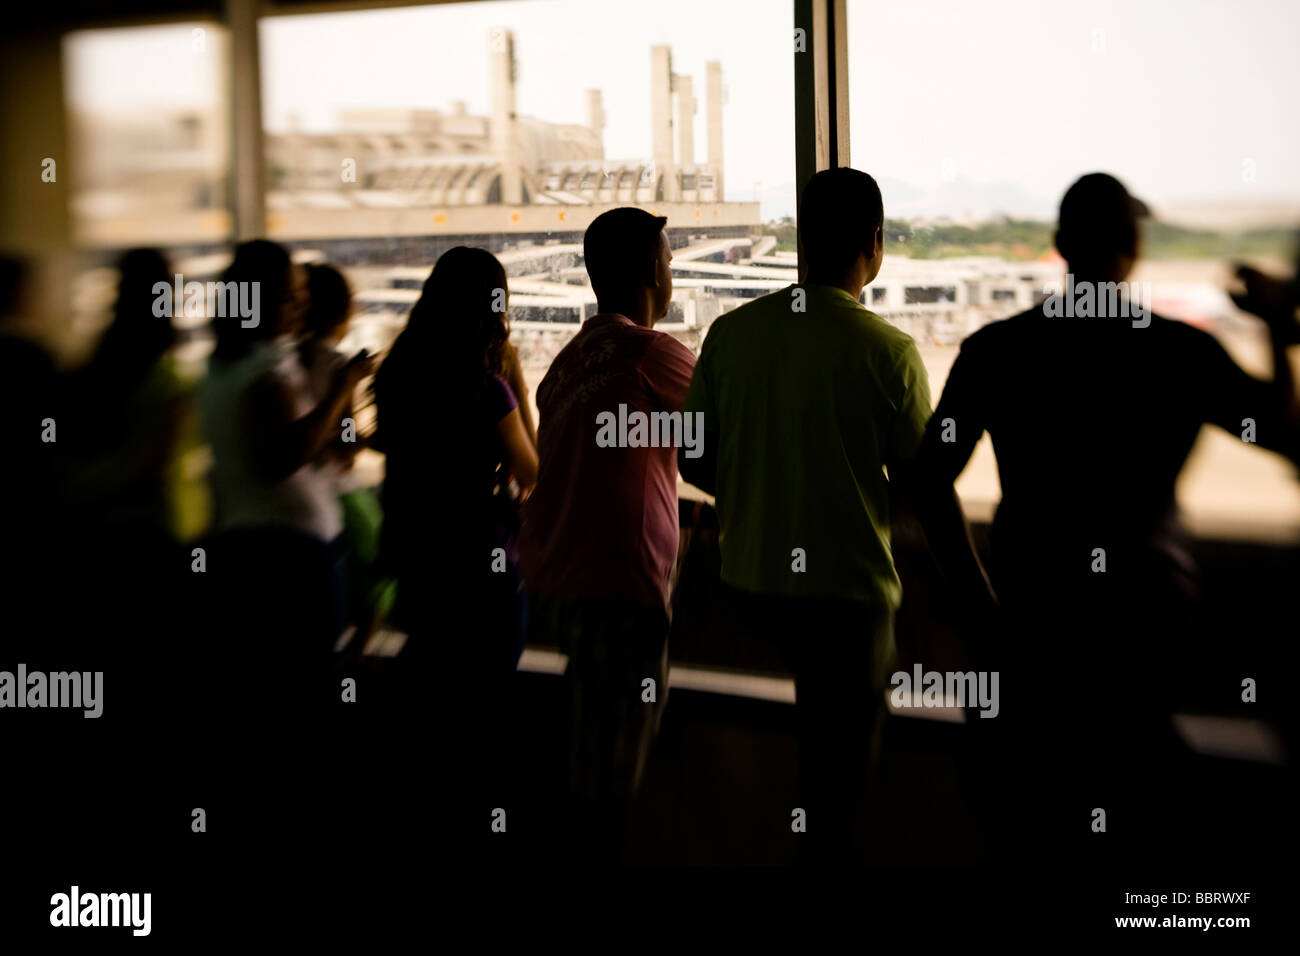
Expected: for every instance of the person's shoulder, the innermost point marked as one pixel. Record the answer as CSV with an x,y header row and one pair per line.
x,y
881,338
573,346
498,397
1018,324
1002,335
668,346
778,300
1179,338
764,305
880,328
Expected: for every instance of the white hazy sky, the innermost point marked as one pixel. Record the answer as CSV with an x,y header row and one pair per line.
x,y
1172,95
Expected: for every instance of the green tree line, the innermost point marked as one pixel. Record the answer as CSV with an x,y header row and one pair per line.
x,y
1027,239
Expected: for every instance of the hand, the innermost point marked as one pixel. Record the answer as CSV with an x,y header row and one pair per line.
x,y
1273,300
510,364
359,367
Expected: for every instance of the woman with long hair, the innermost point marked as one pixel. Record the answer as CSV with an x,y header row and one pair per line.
x,y
451,427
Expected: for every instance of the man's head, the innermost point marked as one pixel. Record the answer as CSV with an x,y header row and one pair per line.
x,y
841,227
1099,231
627,256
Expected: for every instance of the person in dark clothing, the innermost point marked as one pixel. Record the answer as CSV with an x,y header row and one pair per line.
x,y
125,410
455,443
1093,404
442,388
29,480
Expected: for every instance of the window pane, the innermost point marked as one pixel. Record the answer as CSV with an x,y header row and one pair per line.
x,y
149,124
530,120
975,123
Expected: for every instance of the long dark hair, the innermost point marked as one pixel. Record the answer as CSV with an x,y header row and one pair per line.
x,y
454,339
462,307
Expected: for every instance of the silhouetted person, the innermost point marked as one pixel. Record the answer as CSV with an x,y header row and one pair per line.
x,y
453,435
325,323
39,559
600,531
1092,406
270,565
442,389
807,398
29,479
128,408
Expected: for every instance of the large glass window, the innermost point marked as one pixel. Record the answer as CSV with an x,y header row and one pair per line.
x,y
150,137
393,135
975,121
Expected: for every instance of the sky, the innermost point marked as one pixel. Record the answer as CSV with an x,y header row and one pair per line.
x,y
1006,101
1173,96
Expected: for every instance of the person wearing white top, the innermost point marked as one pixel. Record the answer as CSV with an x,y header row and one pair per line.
x,y
277,515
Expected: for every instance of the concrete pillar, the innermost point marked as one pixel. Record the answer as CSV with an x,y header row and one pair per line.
x,y
713,115
685,97
596,117
505,144
661,118
248,145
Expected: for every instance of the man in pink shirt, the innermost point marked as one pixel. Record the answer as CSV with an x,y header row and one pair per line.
x,y
600,531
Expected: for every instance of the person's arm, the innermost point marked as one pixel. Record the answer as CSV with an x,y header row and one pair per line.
x,y
1275,301
1242,405
514,376
520,452
942,452
283,443
699,465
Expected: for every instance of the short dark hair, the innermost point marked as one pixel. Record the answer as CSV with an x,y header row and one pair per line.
x,y
1099,219
266,263
618,249
839,213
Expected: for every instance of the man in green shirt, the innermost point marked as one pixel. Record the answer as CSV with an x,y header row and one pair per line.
x,y
807,400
